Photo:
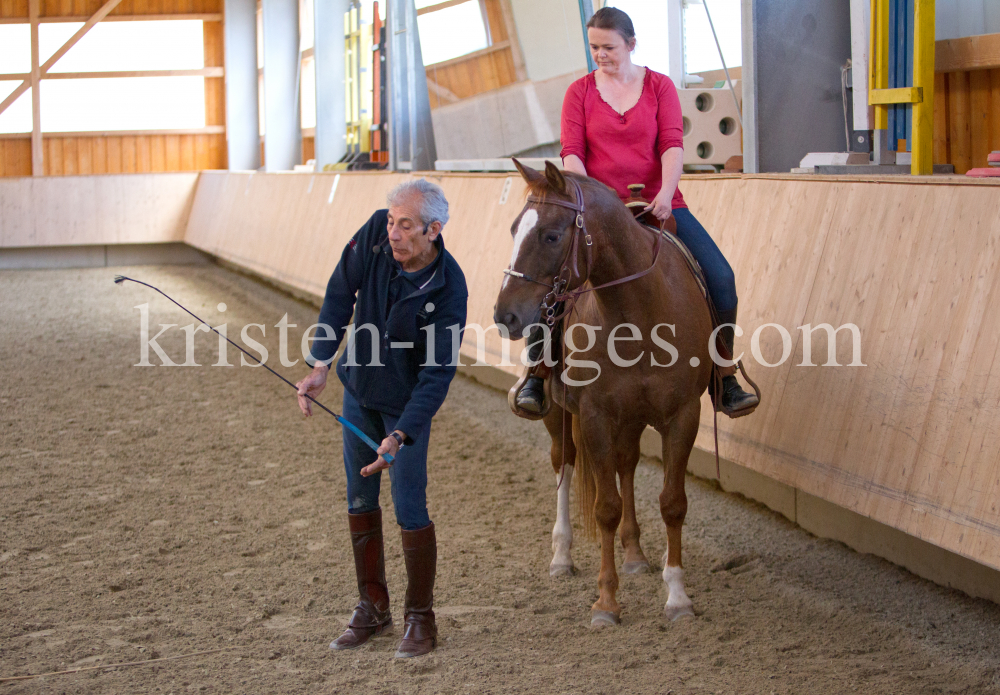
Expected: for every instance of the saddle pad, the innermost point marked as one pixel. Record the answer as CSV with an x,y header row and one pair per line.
x,y
692,263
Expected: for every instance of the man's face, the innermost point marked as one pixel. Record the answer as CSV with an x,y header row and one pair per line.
x,y
408,237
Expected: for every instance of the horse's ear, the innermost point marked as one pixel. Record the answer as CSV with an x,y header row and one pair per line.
x,y
527,173
555,177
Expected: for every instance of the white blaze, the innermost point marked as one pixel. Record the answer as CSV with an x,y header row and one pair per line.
x,y
528,221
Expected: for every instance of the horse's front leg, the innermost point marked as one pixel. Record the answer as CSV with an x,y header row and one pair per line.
x,y
678,440
562,531
608,514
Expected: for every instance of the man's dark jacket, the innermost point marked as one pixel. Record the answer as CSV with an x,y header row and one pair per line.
x,y
407,385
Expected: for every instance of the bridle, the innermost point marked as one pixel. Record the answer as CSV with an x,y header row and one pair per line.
x,y
559,291
569,268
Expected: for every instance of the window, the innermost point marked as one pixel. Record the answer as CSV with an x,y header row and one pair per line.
x,y
649,17
15,57
99,103
700,51
450,31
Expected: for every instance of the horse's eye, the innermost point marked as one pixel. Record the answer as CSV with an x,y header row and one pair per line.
x,y
550,238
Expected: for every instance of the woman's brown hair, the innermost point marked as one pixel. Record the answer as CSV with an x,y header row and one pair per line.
x,y
615,19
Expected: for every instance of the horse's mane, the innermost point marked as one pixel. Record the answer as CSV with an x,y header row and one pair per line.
x,y
542,187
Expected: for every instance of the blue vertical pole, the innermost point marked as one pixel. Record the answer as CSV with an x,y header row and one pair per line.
x,y
586,12
893,60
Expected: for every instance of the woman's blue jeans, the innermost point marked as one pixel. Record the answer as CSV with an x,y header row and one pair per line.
x,y
718,274
408,474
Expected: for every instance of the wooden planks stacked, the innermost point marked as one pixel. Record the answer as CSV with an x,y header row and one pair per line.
x,y
80,210
129,153
967,101
909,439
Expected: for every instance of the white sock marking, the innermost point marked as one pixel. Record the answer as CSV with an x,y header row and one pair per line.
x,y
674,579
562,532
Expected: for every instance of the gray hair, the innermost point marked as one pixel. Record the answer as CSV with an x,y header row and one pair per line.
x,y
433,207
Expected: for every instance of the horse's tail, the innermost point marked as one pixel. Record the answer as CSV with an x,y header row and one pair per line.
x,y
586,485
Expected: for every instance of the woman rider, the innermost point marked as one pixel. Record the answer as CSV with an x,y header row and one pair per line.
x,y
622,124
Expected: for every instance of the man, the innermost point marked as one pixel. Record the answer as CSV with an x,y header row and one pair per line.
x,y
396,371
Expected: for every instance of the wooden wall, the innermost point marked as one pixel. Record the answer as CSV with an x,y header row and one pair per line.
x,y
79,210
908,440
967,101
482,71
72,154
966,117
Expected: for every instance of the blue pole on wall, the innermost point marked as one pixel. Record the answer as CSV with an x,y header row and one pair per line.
x,y
586,12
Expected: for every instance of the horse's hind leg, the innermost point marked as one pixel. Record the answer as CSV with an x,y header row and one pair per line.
x,y
562,531
678,440
635,560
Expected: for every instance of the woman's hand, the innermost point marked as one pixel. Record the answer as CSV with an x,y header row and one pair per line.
x,y
661,205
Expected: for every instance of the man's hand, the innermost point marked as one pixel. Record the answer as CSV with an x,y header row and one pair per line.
x,y
312,386
661,206
389,446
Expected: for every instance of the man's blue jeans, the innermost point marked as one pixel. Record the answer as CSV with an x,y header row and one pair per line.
x,y
408,474
718,273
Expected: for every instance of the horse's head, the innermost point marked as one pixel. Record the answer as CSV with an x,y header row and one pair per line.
x,y
543,242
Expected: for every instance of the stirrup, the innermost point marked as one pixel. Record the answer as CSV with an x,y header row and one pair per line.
x,y
516,389
742,412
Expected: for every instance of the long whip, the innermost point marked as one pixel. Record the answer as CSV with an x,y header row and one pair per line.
x,y
119,279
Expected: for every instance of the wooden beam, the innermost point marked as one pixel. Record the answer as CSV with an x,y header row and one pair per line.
x,y
900,95
199,72
88,25
969,53
207,130
199,16
500,46
515,43
441,6
442,92
37,153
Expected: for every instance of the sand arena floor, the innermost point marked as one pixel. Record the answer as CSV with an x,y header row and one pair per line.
x,y
152,512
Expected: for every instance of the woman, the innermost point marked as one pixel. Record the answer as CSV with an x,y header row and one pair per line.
x,y
622,124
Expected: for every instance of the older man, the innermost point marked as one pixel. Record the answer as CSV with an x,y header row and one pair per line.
x,y
396,371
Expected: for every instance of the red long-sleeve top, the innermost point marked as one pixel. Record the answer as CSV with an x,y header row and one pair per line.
x,y
621,149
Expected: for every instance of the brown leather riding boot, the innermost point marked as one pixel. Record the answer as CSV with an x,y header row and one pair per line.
x,y
371,616
420,555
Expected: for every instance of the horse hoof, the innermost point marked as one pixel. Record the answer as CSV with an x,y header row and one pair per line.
x,y
637,567
673,613
603,619
561,570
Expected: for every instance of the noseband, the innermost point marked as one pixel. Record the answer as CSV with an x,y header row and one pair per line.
x,y
569,268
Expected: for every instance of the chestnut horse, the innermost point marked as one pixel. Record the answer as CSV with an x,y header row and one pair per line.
x,y
650,373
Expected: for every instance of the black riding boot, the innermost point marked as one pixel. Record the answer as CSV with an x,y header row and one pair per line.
x,y
531,397
735,401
